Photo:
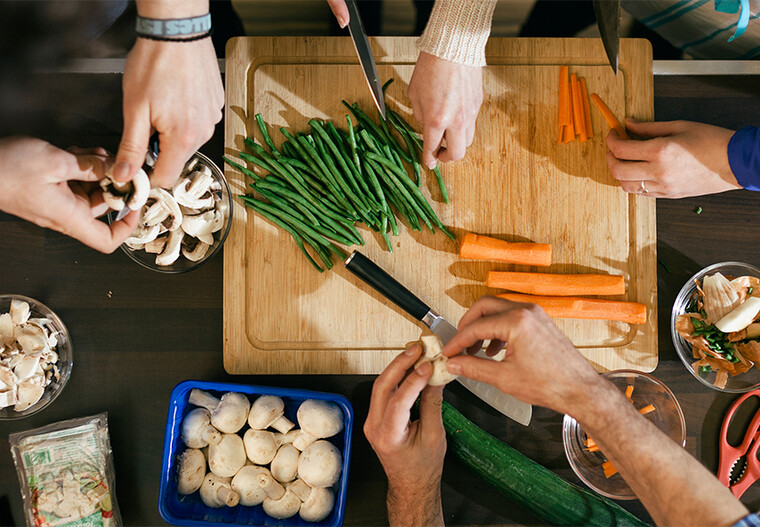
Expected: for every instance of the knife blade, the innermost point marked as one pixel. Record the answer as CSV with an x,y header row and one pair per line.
x,y
150,160
608,19
364,51
390,288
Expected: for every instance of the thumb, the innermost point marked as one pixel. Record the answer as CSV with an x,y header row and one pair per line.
x,y
339,9
483,370
653,129
133,145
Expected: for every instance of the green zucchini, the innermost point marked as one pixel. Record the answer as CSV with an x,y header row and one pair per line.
x,y
525,482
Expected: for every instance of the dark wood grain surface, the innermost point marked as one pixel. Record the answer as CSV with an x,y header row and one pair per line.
x,y
137,333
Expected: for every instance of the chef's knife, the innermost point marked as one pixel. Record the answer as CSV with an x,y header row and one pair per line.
x,y
391,289
608,19
364,51
150,160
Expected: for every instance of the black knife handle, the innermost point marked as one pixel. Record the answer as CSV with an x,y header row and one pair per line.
x,y
386,285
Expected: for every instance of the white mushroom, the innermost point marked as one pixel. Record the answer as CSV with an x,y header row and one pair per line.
x,y
26,368
197,431
9,397
216,492
226,457
8,379
156,246
268,411
318,502
246,484
6,329
318,419
192,469
29,393
286,439
19,312
230,414
285,464
204,224
320,464
31,339
132,194
142,235
194,190
269,485
172,249
162,209
197,253
203,399
284,507
260,446
432,347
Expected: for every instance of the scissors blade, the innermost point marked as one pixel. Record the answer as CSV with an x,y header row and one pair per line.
x,y
608,19
364,51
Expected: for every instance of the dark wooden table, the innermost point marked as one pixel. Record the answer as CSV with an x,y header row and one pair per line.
x,y
138,333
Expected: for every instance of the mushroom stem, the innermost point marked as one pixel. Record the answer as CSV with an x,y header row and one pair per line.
x,y
303,440
228,496
268,484
300,489
282,424
203,399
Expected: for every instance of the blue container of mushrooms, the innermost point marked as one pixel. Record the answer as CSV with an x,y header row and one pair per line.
x,y
237,454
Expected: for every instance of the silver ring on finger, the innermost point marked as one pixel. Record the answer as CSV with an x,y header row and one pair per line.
x,y
643,189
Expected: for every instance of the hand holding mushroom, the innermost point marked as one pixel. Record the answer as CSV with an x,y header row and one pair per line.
x,y
57,189
411,452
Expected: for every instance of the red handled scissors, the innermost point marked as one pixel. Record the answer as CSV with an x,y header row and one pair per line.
x,y
739,467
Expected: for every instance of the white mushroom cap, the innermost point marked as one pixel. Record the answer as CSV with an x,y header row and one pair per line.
x,y
141,235
260,446
197,253
6,329
197,431
231,413
216,492
432,347
172,249
161,209
205,223
318,505
194,190
132,194
285,464
268,411
227,457
285,507
246,484
29,393
31,338
318,419
320,464
192,470
19,312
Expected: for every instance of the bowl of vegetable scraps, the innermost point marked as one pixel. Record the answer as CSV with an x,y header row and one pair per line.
x,y
653,400
715,325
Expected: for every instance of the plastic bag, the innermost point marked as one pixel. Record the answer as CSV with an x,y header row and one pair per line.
x,y
66,474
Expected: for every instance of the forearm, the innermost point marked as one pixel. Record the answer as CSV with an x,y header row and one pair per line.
x,y
458,31
412,507
164,9
674,487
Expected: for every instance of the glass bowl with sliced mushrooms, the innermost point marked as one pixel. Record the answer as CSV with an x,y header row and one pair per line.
x,y
35,356
183,227
715,325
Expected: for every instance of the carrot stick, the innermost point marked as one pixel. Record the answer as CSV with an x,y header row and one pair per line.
x,y
609,469
589,442
567,133
585,308
629,392
578,124
593,449
586,109
477,247
557,284
565,108
609,116
647,409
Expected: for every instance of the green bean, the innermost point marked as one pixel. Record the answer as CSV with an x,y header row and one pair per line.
x,y
392,140
384,233
327,176
293,207
314,232
267,139
441,184
375,184
392,182
288,150
302,151
242,169
358,183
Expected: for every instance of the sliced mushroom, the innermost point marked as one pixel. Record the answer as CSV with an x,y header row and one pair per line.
x,y
8,379
29,392
204,223
194,191
31,339
6,329
19,312
142,235
172,249
132,194
27,367
156,246
162,209
196,253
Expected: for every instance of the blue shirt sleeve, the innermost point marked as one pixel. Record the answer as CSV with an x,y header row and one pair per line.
x,y
750,520
744,157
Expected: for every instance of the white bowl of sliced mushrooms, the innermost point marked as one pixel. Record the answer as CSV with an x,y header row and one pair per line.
x,y
35,356
185,226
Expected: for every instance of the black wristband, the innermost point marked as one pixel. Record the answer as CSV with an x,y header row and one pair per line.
x,y
172,28
173,39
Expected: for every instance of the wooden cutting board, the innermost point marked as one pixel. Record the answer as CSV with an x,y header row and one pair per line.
x,y
517,183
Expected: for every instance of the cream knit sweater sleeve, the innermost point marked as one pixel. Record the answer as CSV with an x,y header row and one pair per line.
x,y
458,31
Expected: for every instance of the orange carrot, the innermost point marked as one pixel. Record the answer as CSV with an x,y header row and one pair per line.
x,y
609,116
586,109
578,124
565,109
557,284
589,442
593,449
586,308
609,469
477,247
567,133
647,409
629,392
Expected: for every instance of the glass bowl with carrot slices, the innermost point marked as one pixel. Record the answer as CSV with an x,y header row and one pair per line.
x,y
715,325
653,400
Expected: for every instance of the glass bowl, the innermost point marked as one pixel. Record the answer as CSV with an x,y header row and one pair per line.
x,y
743,382
63,349
667,416
182,264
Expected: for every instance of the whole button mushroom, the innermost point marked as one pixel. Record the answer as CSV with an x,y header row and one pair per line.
x,y
217,492
282,508
285,464
319,464
246,484
317,503
268,411
260,446
432,347
197,431
318,420
227,457
132,194
228,415
192,470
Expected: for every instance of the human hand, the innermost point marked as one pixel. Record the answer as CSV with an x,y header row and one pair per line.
x,y
176,89
339,9
446,99
58,190
540,365
411,452
676,159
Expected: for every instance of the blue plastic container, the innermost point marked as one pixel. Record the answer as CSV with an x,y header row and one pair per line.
x,y
190,510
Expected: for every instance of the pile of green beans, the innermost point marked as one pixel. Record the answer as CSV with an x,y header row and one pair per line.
x,y
319,185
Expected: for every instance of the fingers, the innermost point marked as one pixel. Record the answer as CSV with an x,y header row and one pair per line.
x,y
485,305
90,231
399,409
393,374
339,9
456,144
134,144
495,346
90,167
655,128
483,370
431,143
171,160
